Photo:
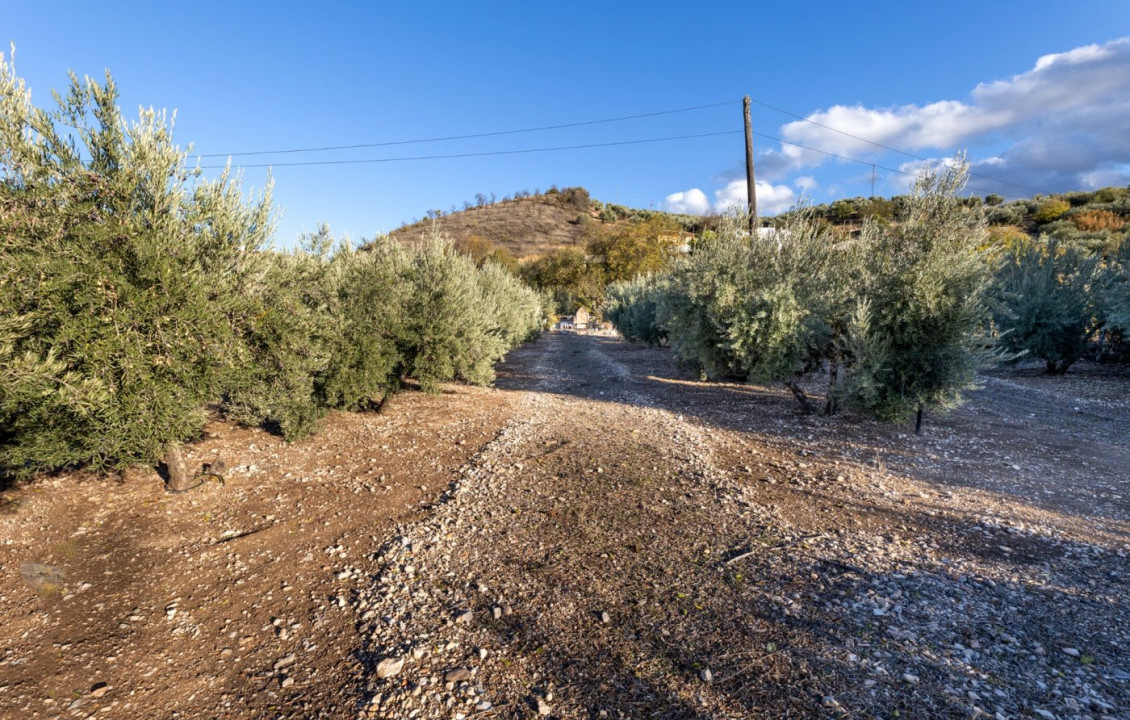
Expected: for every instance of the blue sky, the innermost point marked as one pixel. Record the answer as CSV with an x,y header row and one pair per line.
x,y
930,79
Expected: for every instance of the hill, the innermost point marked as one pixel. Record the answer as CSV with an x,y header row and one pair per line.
x,y
529,226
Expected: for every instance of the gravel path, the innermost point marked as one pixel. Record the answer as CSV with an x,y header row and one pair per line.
x,y
623,549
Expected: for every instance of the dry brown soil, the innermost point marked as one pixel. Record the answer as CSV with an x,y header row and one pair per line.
x,y
250,568
640,528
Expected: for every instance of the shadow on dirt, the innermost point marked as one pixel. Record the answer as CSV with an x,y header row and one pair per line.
x,y
1035,446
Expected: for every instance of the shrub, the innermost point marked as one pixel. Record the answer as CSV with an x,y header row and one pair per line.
x,y
1095,220
324,333
1010,214
697,309
633,307
1003,238
1109,195
1116,289
577,198
130,301
1045,308
287,336
1050,210
898,312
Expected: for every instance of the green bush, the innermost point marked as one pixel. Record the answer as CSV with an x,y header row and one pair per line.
x,y
119,293
915,339
1051,210
1116,290
369,302
461,320
322,330
632,306
1045,305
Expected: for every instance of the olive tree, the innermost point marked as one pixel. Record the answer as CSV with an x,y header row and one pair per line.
x,y
120,281
916,336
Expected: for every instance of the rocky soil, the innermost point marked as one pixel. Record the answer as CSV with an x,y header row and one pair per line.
x,y
600,536
610,556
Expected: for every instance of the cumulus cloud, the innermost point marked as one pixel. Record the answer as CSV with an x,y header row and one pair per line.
x,y
771,199
693,201
806,183
1057,126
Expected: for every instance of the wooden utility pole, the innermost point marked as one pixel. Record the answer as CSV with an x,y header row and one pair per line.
x,y
751,188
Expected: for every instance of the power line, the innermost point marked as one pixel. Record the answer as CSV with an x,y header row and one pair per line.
x,y
496,133
885,147
478,154
360,161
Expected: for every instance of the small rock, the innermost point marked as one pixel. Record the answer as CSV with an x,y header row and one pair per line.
x,y
457,675
706,676
465,618
390,667
912,679
286,682
605,617
1071,651
496,612
99,690
543,707
284,661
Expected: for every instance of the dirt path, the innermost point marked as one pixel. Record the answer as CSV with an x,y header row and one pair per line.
x,y
599,536
636,545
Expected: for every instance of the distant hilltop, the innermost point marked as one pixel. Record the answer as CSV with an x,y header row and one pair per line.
x,y
529,225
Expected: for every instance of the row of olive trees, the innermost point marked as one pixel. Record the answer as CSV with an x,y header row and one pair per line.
x,y
134,294
897,315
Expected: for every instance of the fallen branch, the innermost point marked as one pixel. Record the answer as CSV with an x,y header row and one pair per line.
x,y
836,563
803,538
243,534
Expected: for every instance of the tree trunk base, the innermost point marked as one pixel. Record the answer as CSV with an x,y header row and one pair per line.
x,y
798,393
178,469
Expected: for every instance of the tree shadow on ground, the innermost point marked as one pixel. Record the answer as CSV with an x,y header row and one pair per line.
x,y
802,637
891,610
981,445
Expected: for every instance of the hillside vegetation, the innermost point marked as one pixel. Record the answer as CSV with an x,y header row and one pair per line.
x,y
530,225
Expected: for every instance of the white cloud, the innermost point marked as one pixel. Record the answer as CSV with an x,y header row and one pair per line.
x,y
1057,126
771,199
693,201
806,183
